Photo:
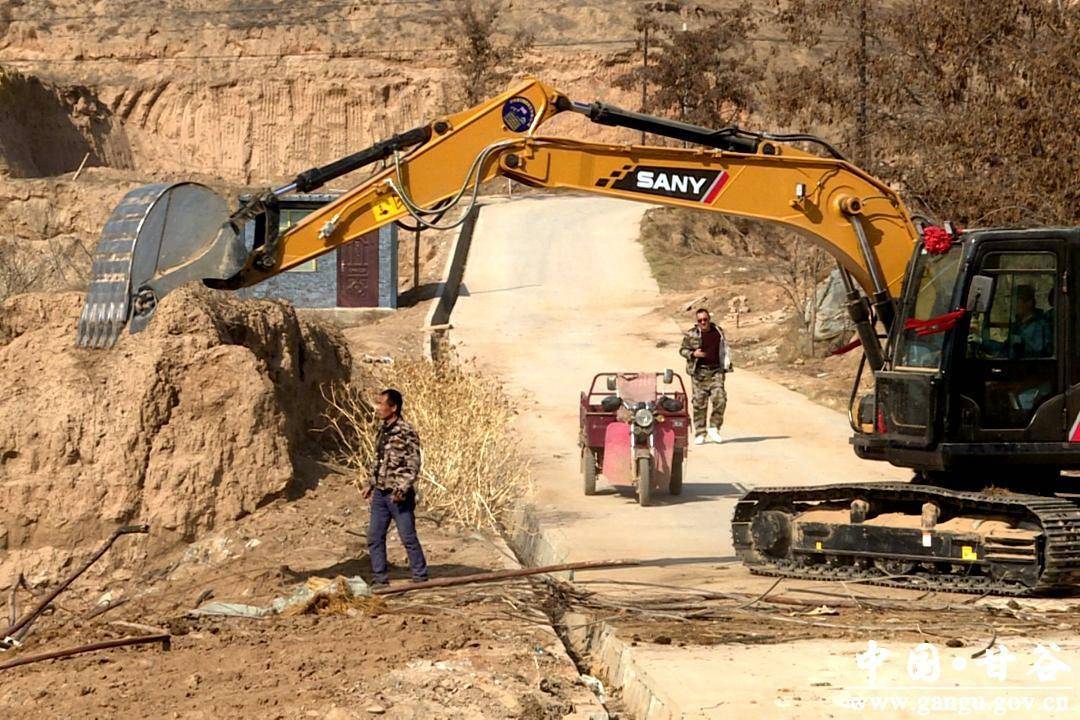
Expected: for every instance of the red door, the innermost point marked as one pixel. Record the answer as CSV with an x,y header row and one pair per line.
x,y
358,272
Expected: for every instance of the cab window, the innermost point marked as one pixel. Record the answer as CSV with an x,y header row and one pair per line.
x,y
1019,323
936,278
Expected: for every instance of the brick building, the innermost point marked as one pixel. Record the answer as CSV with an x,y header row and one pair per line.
x,y
362,274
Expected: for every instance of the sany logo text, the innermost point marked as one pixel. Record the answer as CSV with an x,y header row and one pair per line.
x,y
648,180
697,185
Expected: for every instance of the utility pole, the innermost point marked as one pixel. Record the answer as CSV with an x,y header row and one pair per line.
x,y
862,122
686,73
644,75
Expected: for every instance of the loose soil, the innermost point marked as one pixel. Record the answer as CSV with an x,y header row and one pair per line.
x,y
475,652
191,423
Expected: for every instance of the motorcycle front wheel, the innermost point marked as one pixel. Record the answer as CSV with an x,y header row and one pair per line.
x,y
644,481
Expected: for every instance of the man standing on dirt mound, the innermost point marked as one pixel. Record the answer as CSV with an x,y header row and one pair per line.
x,y
707,362
392,489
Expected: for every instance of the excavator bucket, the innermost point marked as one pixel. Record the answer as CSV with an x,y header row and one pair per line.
x,y
159,237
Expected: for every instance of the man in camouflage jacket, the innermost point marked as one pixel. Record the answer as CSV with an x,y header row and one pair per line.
x,y
392,489
707,361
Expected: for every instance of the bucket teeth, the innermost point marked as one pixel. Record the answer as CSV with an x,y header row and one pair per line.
x,y
108,298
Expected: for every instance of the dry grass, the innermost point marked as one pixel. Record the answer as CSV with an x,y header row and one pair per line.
x,y
472,470
333,597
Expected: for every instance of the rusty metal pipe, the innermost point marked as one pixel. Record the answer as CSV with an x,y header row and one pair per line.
x,y
504,575
165,640
22,624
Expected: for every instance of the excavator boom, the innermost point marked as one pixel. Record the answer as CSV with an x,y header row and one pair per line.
x,y
162,236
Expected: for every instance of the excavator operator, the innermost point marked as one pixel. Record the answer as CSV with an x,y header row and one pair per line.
x,y
1033,335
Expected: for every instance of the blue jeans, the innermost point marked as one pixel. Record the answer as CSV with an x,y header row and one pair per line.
x,y
403,514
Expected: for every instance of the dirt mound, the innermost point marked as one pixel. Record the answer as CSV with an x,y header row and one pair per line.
x,y
189,424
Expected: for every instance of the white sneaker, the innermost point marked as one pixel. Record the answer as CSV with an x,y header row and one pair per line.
x,y
699,440
714,436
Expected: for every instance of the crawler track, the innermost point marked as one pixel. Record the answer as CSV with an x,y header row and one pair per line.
x,y
1051,562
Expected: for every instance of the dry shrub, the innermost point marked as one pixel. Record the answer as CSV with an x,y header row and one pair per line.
x,y
61,263
472,470
703,75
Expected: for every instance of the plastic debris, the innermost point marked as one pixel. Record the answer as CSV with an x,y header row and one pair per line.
x,y
596,686
300,601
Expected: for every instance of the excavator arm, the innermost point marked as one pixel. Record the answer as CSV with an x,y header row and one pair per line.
x,y
163,236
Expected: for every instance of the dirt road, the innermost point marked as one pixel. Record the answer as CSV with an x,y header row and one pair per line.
x,y
559,290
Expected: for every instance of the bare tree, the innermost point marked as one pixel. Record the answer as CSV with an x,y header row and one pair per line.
x,y
703,75
483,48
793,264
968,107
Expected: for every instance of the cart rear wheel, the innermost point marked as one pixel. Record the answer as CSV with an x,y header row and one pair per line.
x,y
675,484
644,481
588,470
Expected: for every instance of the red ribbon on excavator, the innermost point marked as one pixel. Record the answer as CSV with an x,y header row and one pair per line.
x,y
930,326
935,325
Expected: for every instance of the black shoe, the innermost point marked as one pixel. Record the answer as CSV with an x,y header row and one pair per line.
x,y
420,580
379,583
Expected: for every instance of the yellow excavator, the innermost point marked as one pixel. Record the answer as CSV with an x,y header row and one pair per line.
x,y
976,385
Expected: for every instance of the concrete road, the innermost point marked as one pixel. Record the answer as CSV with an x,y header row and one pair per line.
x,y
558,290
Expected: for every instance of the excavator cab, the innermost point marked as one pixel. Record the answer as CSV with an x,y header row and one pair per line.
x,y
981,378
979,389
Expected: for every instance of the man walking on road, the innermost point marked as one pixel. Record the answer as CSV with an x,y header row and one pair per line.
x,y
707,361
392,489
